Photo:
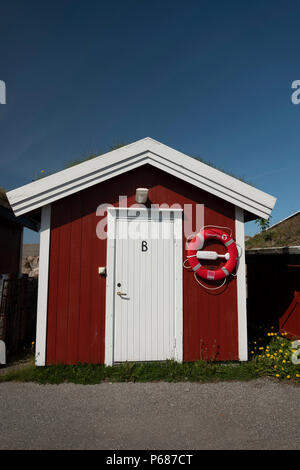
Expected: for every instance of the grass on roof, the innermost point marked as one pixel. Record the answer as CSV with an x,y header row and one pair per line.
x,y
93,154
286,233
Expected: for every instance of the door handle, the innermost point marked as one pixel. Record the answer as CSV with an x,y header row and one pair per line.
x,y
121,293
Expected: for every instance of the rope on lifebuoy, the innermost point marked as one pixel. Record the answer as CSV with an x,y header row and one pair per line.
x,y
196,242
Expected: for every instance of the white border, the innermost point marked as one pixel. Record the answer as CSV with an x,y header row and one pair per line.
x,y
145,151
110,281
42,304
241,286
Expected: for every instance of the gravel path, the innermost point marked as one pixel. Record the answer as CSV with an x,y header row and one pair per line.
x,y
261,414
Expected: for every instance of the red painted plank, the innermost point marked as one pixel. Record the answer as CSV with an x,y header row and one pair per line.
x,y
85,302
63,287
74,280
290,321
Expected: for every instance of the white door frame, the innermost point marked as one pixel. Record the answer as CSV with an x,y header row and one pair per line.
x,y
112,214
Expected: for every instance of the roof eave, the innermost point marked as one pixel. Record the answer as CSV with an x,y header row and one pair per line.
x,y
146,151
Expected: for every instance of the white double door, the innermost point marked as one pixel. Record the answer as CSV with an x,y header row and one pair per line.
x,y
145,290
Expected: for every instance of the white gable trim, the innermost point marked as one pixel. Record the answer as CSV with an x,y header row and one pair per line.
x,y
146,151
42,304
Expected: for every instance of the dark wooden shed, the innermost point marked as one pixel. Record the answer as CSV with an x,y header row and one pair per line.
x,y
11,233
273,272
12,302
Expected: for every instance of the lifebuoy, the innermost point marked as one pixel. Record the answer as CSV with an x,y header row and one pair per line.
x,y
197,243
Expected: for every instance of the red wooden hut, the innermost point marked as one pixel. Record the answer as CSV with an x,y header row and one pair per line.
x,y
112,284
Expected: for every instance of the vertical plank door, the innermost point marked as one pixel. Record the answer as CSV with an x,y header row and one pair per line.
x,y
144,320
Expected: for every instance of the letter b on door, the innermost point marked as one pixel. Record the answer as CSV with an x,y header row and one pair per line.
x,y
144,246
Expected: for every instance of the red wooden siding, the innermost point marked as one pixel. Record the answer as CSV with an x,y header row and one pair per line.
x,y
289,304
10,245
290,321
76,309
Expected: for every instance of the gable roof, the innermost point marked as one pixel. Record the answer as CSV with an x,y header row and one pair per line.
x,y
283,220
285,233
145,151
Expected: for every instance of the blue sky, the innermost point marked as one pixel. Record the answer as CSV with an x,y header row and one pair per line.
x,y
208,78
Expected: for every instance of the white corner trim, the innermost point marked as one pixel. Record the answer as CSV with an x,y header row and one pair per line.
x,y
178,286
112,213
110,279
241,286
42,304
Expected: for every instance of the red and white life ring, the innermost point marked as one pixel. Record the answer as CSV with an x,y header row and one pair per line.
x,y
197,243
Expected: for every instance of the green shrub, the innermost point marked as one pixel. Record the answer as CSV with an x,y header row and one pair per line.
x,y
272,355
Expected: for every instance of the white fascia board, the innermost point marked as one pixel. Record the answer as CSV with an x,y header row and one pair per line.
x,y
229,194
214,178
111,164
73,178
73,186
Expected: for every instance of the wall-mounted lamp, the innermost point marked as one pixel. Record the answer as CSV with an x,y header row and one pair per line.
x,y
141,195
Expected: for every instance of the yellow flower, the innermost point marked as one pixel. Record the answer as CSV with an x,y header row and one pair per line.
x,y
280,350
284,360
288,376
277,375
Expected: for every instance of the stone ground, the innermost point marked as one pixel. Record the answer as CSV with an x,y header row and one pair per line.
x,y
259,414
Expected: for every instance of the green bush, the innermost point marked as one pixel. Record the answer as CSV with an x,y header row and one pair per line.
x,y
272,355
